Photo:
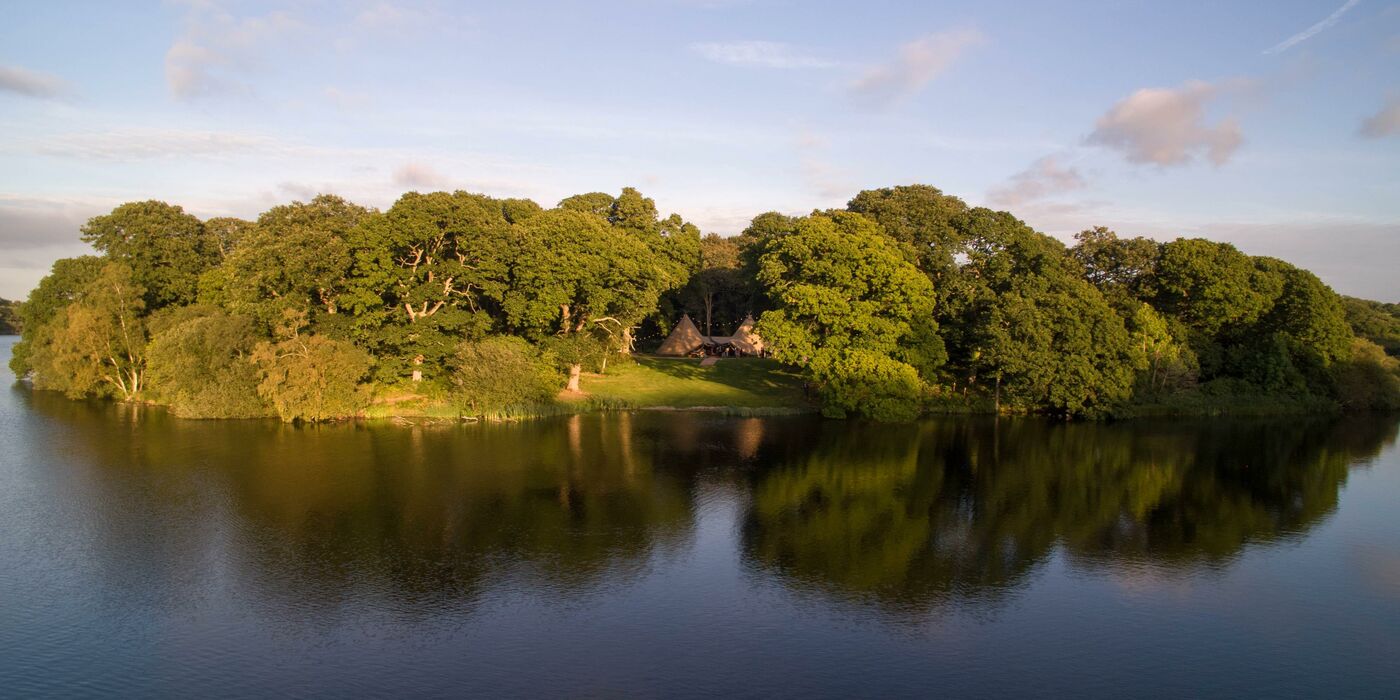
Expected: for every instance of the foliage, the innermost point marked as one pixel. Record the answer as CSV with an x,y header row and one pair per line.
x,y
1368,379
309,377
96,345
870,385
166,249
200,364
296,258
10,323
501,372
1375,321
839,285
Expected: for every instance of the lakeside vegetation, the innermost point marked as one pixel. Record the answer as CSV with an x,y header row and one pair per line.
x,y
907,301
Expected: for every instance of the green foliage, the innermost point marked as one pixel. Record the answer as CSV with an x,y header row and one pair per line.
x,y
501,372
839,284
296,258
868,384
1120,267
62,286
96,345
1212,287
166,249
428,272
1375,321
312,378
10,323
1367,379
1044,338
200,364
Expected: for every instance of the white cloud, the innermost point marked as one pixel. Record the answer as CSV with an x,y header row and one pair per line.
x,y
217,48
765,54
918,63
1165,126
30,83
140,143
1314,30
1383,123
1045,177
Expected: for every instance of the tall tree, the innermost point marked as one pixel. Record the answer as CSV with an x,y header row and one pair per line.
x,y
166,249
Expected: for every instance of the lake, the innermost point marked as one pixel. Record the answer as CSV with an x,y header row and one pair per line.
x,y
687,554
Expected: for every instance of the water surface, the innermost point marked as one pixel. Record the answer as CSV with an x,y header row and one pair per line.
x,y
689,554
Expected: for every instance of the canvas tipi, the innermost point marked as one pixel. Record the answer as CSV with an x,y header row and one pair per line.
x,y
685,339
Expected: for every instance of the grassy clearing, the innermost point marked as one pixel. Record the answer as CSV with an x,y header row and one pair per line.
x,y
731,383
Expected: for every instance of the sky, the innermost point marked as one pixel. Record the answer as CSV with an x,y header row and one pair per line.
x,y
1270,124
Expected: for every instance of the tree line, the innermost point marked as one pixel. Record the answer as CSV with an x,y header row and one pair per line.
x,y
906,301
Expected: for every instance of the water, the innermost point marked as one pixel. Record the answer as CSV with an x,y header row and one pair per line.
x,y
687,554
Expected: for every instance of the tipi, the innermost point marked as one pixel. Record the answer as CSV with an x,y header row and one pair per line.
x,y
685,339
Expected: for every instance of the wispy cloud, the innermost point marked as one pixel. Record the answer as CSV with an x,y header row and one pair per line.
x,y
1045,177
1167,126
1383,123
141,143
917,63
765,54
216,47
418,176
1314,30
30,83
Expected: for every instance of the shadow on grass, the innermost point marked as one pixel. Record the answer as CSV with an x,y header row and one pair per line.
x,y
743,373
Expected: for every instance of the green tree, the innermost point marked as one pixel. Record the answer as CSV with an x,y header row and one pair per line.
x,y
309,377
839,284
63,285
575,273
1119,267
96,346
870,385
200,363
431,270
296,258
502,372
166,249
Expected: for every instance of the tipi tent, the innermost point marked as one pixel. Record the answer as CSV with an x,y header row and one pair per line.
x,y
745,340
685,339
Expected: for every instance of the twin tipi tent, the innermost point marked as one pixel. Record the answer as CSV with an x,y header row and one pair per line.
x,y
686,339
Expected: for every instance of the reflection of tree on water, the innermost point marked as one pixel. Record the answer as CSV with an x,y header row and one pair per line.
x,y
965,510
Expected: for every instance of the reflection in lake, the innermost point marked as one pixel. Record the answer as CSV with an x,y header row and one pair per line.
x,y
914,516
676,554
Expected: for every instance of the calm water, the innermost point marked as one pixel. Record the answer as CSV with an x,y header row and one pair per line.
x,y
677,555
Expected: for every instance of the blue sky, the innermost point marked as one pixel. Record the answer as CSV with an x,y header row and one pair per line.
x,y
1272,124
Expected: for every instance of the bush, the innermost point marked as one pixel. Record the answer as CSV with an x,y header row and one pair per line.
x,y
1368,379
313,378
868,384
201,364
500,373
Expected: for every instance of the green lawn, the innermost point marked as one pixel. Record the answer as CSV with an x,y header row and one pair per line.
x,y
742,382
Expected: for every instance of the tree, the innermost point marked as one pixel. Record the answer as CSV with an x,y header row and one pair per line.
x,y
501,372
63,285
839,284
870,385
309,377
431,270
96,346
573,272
1212,287
1043,337
200,363
921,218
166,249
1119,267
295,259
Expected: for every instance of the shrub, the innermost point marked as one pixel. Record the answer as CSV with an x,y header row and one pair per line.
x,y
201,365
312,378
1368,379
502,372
868,384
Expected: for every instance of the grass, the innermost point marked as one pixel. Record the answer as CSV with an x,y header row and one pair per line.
x,y
733,384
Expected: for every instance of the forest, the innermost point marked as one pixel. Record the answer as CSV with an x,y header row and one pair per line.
x,y
906,302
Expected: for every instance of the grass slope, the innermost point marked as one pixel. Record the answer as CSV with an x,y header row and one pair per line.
x,y
683,383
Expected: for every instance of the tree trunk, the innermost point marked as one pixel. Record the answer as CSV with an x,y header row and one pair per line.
x,y
575,371
709,307
996,400
417,369
626,341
